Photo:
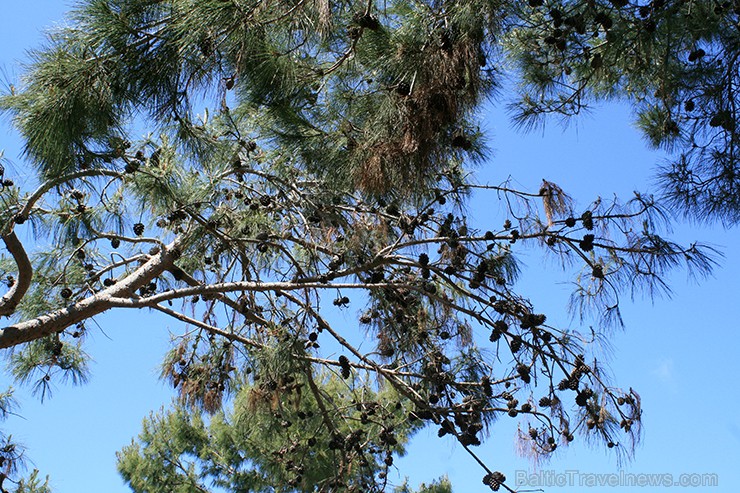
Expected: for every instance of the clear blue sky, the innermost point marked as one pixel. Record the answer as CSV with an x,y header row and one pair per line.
x,y
680,354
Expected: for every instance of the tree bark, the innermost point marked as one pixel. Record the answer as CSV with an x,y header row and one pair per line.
x,y
9,302
59,320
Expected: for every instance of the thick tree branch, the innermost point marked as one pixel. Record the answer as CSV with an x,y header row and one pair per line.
x,y
13,297
58,320
9,302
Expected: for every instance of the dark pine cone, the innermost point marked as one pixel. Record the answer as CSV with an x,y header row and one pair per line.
x,y
486,385
515,344
587,243
494,480
583,396
587,219
344,362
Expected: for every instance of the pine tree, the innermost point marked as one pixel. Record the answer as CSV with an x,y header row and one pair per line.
x,y
274,440
298,153
12,456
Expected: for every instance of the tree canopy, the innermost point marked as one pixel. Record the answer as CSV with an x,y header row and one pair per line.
x,y
251,168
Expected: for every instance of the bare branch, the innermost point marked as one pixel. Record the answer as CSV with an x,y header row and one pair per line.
x,y
9,302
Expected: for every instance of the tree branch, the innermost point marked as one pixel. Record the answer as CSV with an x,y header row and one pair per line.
x,y
45,187
58,320
191,281
9,302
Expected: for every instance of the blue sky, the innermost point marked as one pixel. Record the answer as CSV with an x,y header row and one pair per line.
x,y
680,353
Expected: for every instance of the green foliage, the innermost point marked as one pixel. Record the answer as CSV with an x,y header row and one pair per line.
x,y
68,108
439,486
32,484
37,361
274,439
12,459
672,60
